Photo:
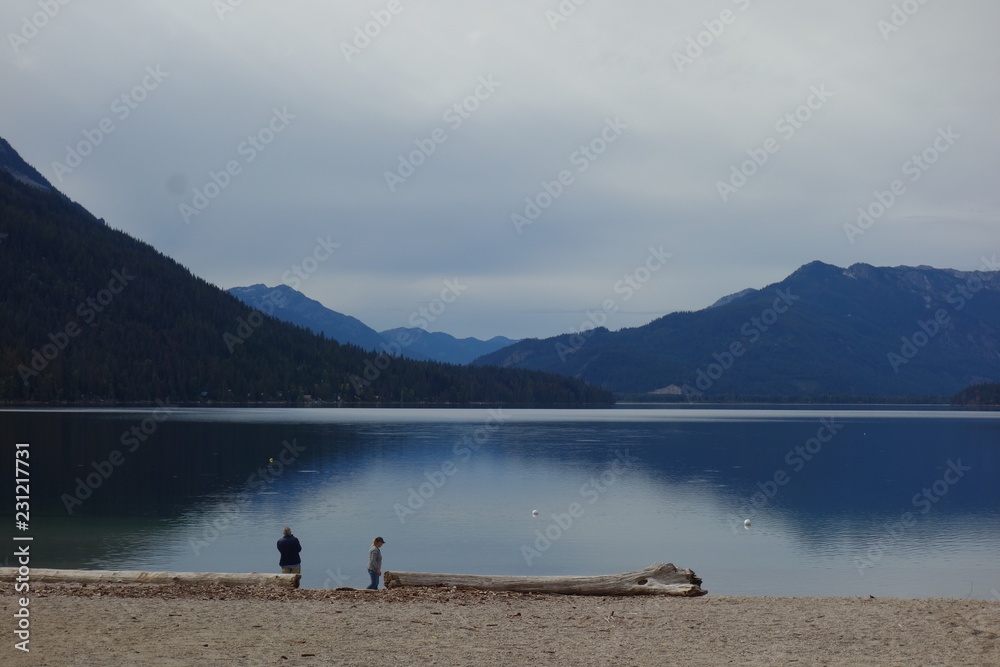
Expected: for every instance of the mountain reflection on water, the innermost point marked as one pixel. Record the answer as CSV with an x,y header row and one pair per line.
x,y
901,502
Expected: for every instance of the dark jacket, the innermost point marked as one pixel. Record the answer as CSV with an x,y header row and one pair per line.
x,y
289,547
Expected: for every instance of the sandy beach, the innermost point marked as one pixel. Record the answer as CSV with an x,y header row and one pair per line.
x,y
73,624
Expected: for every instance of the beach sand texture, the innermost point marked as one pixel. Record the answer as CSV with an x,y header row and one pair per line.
x,y
72,624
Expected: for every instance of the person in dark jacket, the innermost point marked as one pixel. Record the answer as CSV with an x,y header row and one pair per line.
x,y
289,548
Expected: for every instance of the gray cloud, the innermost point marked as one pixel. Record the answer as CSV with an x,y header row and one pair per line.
x,y
689,124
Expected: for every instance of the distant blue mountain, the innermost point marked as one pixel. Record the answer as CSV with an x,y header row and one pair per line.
x,y
289,305
292,306
823,330
420,344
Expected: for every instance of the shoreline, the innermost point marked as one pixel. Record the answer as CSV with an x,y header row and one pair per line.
x,y
115,624
781,401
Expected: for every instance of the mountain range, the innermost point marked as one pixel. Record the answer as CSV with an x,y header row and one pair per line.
x,y
91,314
290,305
861,330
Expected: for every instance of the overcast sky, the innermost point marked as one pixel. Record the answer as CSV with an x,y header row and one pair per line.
x,y
702,148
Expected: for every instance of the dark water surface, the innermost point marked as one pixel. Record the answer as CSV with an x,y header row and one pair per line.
x,y
887,502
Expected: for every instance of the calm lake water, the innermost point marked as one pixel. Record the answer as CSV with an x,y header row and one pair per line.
x,y
887,502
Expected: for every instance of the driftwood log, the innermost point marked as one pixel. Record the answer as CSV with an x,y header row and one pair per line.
x,y
657,579
42,575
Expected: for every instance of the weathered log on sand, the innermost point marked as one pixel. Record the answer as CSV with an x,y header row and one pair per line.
x,y
657,579
135,577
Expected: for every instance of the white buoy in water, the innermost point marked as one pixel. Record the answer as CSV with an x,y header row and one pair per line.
x,y
746,523
534,512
